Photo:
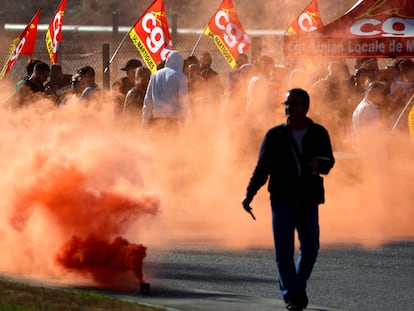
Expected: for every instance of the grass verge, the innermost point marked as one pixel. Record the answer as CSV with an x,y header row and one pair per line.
x,y
15,296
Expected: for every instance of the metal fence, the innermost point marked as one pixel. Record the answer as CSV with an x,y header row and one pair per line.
x,y
86,48
78,50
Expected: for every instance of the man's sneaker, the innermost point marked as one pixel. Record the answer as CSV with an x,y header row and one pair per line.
x,y
303,301
291,306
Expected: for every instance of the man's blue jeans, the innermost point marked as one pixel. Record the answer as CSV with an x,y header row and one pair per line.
x,y
288,217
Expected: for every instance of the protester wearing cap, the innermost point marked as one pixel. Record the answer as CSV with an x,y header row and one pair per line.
x,y
86,79
131,64
121,86
76,85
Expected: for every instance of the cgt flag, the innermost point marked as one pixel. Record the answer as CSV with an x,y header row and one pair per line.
x,y
308,20
24,44
54,33
227,32
151,35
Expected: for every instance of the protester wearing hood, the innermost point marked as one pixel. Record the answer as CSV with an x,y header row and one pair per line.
x,y
166,102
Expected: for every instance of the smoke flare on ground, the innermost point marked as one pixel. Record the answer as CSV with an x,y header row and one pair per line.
x,y
93,218
113,265
71,191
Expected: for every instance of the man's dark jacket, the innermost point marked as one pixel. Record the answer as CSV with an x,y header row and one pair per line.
x,y
277,161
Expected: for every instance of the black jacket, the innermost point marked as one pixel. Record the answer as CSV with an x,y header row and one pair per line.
x,y
277,161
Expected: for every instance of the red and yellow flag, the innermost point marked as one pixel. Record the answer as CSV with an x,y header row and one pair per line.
x,y
308,20
151,35
24,44
54,33
227,32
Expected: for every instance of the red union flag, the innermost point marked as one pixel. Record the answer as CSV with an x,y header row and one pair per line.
x,y
308,20
151,35
54,33
24,44
227,32
372,28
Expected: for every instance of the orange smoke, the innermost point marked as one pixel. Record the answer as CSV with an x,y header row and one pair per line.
x,y
62,190
91,216
75,183
370,199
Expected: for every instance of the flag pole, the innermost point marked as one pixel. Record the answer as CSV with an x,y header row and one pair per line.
x,y
116,51
402,113
198,41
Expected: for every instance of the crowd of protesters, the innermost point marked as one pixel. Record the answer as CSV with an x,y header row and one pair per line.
x,y
344,100
248,98
256,99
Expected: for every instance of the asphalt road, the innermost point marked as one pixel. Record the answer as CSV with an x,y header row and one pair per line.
x,y
344,278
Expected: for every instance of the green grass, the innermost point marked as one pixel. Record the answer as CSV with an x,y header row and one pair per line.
x,y
17,296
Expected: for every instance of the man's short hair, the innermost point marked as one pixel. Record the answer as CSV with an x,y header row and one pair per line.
x,y
377,85
87,71
304,96
30,65
41,67
406,65
142,74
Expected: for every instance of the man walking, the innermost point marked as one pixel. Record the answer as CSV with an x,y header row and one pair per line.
x,y
293,155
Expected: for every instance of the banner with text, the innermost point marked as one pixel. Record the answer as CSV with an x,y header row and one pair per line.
x,y
227,32
54,33
374,28
24,44
151,35
351,48
308,20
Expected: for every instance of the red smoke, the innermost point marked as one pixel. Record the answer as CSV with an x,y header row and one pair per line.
x,y
107,263
72,187
91,216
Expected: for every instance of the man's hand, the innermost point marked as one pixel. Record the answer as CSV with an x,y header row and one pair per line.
x,y
246,205
313,166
